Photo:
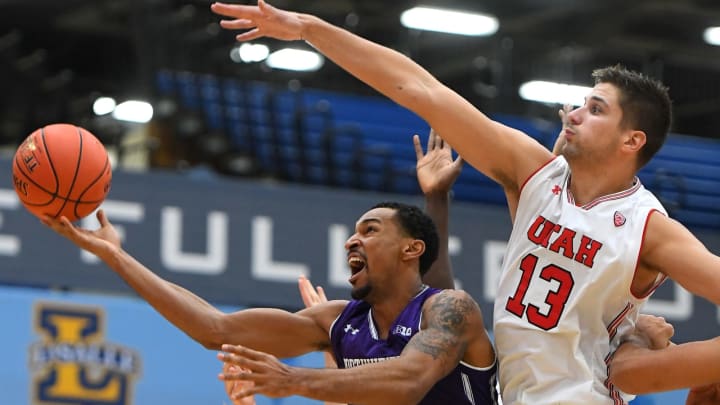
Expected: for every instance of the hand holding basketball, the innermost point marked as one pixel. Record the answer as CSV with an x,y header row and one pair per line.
x,y
61,170
101,242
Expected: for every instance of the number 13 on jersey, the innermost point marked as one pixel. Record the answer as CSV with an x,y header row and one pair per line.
x,y
555,299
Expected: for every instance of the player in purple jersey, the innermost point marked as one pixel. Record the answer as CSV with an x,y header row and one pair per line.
x,y
393,246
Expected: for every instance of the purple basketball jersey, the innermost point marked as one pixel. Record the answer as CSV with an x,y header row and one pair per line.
x,y
355,341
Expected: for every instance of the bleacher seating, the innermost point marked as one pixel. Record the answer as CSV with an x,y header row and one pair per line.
x,y
333,139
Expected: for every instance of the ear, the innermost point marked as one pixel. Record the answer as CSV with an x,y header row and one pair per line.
x,y
414,249
634,141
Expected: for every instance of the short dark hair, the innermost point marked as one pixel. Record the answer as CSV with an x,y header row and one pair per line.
x,y
417,224
645,104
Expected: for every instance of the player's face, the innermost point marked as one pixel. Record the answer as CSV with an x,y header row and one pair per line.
x,y
373,252
594,132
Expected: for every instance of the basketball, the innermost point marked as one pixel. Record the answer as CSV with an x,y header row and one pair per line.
x,y
61,170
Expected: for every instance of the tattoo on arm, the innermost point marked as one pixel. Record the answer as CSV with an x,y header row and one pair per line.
x,y
447,321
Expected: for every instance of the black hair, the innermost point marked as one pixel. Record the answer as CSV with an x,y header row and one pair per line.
x,y
416,224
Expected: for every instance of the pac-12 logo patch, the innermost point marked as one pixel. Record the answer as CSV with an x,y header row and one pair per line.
x,y
72,364
619,218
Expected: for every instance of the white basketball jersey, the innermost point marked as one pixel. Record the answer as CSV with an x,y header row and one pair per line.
x,y
564,297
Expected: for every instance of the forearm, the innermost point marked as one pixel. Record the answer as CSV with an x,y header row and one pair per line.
x,y
440,275
178,305
639,370
363,385
386,70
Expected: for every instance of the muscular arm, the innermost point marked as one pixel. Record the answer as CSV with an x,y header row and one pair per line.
x,y
276,331
506,155
671,249
436,171
453,331
637,369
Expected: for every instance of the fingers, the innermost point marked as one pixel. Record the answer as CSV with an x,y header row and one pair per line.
x,y
232,352
459,161
431,140
249,35
102,218
419,154
306,292
60,225
239,24
264,7
563,113
310,295
66,223
321,294
236,10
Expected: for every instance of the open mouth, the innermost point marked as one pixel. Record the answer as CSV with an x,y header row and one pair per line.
x,y
356,263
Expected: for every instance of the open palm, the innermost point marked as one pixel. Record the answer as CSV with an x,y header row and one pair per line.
x,y
436,168
101,241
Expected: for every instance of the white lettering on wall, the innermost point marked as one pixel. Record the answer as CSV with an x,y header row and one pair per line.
x,y
455,249
262,266
678,309
123,211
9,244
493,253
338,270
212,262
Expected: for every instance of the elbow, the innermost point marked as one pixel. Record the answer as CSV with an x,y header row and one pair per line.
x,y
213,335
417,96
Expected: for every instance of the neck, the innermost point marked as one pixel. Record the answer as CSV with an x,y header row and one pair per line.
x,y
385,311
588,187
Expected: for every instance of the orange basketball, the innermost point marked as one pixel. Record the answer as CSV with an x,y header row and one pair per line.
x,y
61,170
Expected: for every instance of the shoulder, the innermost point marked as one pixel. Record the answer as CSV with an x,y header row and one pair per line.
x,y
661,229
324,314
451,307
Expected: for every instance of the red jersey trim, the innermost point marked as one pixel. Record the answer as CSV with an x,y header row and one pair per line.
x,y
609,197
661,277
544,165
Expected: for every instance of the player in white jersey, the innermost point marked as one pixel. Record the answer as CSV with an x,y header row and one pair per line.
x,y
622,124
566,286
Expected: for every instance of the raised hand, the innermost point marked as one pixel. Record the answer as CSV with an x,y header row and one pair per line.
x,y
310,295
101,241
262,20
560,141
436,169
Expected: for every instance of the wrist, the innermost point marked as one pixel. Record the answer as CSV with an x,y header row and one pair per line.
x,y
113,256
298,382
307,24
438,195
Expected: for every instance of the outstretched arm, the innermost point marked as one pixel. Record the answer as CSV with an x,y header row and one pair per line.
x,y
279,332
436,173
453,324
634,366
506,155
637,369
670,248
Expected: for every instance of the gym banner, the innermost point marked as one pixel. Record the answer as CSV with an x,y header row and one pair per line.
x,y
244,242
92,349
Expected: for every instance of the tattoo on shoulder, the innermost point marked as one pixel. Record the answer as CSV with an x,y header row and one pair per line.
x,y
447,320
